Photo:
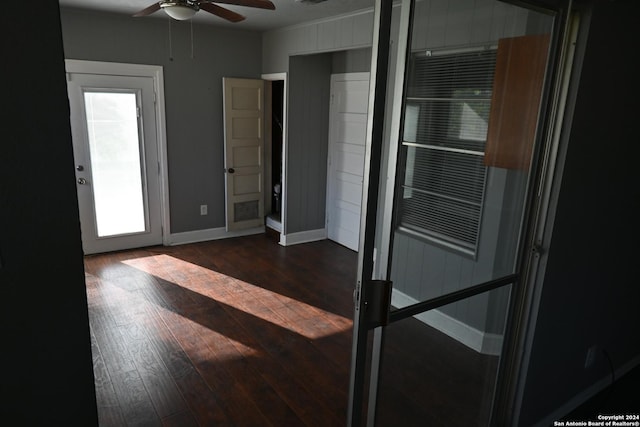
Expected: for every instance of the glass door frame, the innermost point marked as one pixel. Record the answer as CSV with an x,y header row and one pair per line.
x,y
373,288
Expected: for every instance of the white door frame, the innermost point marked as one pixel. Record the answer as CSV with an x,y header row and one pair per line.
x,y
285,115
156,73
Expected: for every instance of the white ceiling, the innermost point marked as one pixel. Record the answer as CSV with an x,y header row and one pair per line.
x,y
287,12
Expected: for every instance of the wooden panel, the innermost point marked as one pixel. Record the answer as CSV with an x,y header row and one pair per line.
x,y
246,98
247,156
246,127
247,184
349,94
327,33
363,29
244,118
520,67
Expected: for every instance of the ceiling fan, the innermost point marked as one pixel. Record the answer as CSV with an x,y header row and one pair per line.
x,y
185,9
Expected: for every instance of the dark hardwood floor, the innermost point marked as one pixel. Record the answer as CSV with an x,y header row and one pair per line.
x,y
245,332
230,332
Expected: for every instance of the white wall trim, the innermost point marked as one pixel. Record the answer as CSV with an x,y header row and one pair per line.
x,y
482,342
587,394
210,234
303,237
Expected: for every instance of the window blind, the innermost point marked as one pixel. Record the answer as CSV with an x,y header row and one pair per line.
x,y
446,114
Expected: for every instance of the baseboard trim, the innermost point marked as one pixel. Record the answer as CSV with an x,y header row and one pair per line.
x,y
482,342
577,400
274,224
303,237
210,234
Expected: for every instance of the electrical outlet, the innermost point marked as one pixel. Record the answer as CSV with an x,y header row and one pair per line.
x,y
203,209
590,358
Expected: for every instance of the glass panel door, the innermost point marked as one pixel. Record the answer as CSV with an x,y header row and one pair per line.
x,y
438,371
115,148
116,167
469,100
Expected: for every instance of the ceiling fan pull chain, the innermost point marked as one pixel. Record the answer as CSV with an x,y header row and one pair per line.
x,y
191,22
170,43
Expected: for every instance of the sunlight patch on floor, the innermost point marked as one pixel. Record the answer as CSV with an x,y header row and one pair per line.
x,y
127,304
280,310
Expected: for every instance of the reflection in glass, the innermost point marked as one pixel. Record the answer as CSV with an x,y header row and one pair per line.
x,y
116,168
470,113
438,371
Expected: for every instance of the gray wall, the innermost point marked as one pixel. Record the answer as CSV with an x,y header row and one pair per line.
x,y
193,94
590,292
47,369
308,132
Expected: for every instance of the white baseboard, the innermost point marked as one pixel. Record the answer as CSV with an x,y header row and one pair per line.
x,y
587,394
274,224
303,237
482,342
210,234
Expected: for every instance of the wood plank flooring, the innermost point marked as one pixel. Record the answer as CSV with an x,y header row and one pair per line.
x,y
232,332
245,332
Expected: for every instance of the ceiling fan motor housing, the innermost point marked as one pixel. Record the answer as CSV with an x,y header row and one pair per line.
x,y
183,3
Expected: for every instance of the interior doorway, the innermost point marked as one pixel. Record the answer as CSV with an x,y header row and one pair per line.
x,y
275,131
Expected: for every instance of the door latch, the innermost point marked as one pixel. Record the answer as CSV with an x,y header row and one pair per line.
x,y
377,295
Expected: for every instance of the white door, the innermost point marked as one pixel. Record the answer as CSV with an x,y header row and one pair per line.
x,y
347,135
113,125
244,158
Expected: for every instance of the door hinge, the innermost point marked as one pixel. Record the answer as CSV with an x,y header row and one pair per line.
x,y
138,112
356,296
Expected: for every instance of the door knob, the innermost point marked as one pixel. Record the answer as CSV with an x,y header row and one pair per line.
x,y
231,170
82,181
80,168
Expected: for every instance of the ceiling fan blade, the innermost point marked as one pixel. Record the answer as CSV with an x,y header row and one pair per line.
x,y
221,12
262,4
148,10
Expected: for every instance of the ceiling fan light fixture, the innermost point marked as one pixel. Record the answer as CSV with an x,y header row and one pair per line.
x,y
179,10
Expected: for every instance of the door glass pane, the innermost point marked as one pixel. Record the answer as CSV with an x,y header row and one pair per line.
x,y
473,91
474,85
439,371
116,168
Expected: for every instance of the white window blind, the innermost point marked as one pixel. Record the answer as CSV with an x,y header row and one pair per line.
x,y
445,127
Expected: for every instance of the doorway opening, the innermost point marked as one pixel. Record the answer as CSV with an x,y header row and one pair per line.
x,y
277,92
275,129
